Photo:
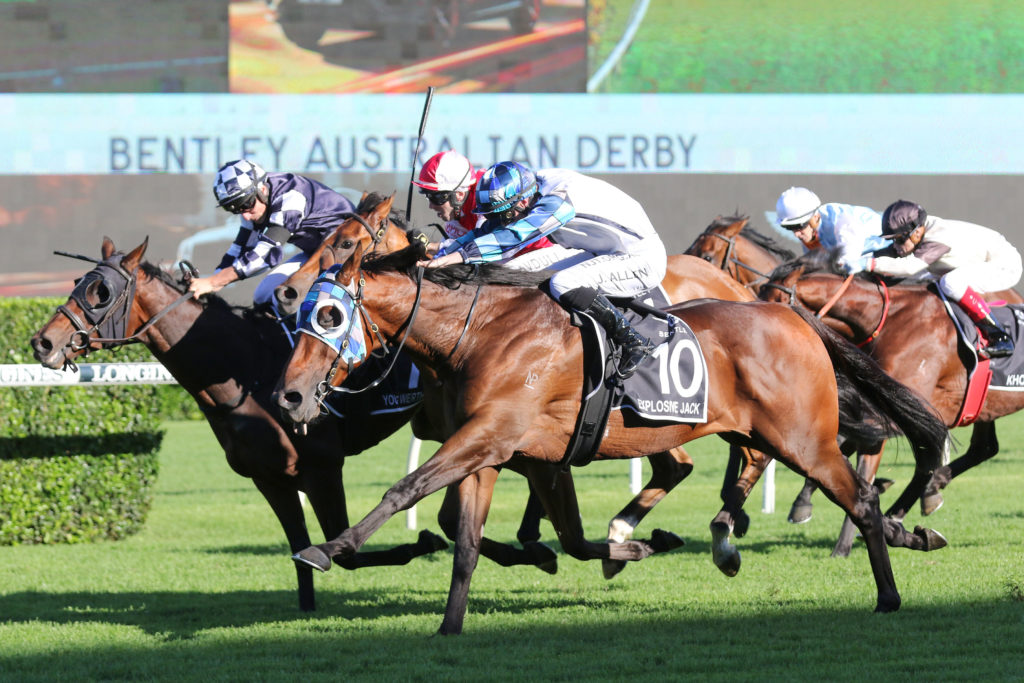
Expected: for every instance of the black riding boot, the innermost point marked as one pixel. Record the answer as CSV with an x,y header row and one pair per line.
x,y
634,347
999,342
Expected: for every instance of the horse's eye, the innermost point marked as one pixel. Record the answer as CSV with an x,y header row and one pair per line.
x,y
98,294
708,258
329,317
347,244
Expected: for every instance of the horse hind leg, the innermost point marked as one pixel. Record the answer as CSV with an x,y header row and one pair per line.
x,y
984,445
667,470
724,554
867,466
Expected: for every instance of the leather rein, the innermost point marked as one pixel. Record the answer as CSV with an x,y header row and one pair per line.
x,y
728,258
883,291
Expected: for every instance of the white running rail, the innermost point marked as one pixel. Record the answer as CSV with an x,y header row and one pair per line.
x,y
636,18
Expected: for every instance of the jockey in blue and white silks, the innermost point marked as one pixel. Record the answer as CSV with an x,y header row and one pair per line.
x,y
275,208
855,231
620,253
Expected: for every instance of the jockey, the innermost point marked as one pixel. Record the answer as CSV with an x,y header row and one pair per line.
x,y
621,254
449,182
967,259
854,230
275,208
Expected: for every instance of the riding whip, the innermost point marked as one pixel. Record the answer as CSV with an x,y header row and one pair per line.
x,y
416,152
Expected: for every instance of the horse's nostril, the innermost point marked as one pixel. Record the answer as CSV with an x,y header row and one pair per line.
x,y
289,399
42,344
287,294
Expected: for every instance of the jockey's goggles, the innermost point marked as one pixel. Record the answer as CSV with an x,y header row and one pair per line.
x,y
240,205
437,197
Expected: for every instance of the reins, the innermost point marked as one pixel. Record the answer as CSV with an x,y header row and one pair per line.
x,y
883,289
729,258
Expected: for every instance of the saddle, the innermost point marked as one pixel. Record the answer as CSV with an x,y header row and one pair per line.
x,y
655,394
983,374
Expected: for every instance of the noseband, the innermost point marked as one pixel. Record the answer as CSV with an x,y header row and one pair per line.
x,y
108,317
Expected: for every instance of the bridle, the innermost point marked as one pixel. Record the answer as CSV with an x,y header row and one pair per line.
x,y
728,259
327,283
108,318
883,290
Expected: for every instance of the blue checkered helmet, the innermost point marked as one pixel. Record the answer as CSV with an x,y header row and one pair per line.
x,y
237,182
502,185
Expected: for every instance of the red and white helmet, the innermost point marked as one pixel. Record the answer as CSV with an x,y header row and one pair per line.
x,y
446,171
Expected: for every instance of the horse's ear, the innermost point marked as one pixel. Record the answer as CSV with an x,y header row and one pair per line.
x,y
131,260
366,194
735,227
384,208
326,258
791,279
107,248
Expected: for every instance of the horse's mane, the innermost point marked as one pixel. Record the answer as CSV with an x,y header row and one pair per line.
x,y
209,301
767,243
452,277
814,261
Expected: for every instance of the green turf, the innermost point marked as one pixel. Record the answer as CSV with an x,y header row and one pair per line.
x,y
206,591
799,46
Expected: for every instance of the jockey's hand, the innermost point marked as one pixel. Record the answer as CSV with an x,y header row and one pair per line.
x,y
214,283
446,260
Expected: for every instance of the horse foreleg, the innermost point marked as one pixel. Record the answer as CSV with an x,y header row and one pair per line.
x,y
558,494
504,554
529,527
667,470
284,501
724,554
984,445
475,492
460,456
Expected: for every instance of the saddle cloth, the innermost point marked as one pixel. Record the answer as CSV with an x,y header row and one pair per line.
x,y
1008,372
670,387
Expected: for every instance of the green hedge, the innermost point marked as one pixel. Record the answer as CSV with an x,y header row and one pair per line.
x,y
77,463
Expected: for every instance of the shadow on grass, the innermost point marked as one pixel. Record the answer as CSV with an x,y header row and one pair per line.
x,y
803,643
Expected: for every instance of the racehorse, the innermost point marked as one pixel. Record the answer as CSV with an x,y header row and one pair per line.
x,y
745,254
686,279
907,330
229,364
509,332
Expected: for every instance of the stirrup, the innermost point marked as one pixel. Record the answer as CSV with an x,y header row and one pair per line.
x,y
630,359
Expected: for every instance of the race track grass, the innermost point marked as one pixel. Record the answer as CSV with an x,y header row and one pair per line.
x,y
206,592
800,46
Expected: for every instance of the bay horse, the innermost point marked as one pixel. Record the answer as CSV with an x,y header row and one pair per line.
x,y
229,363
510,330
740,251
686,278
906,328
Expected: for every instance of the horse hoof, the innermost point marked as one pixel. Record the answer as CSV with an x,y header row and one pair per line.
x,y
544,558
430,542
662,541
930,502
740,524
729,564
883,484
933,540
611,568
314,557
800,514
841,552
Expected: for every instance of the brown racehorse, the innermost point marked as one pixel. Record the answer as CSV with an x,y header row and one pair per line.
x,y
913,340
229,363
686,279
734,247
483,340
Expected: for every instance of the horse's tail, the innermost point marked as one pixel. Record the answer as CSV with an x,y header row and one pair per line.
x,y
873,405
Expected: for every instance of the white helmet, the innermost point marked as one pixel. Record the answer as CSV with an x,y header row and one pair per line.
x,y
796,206
446,171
